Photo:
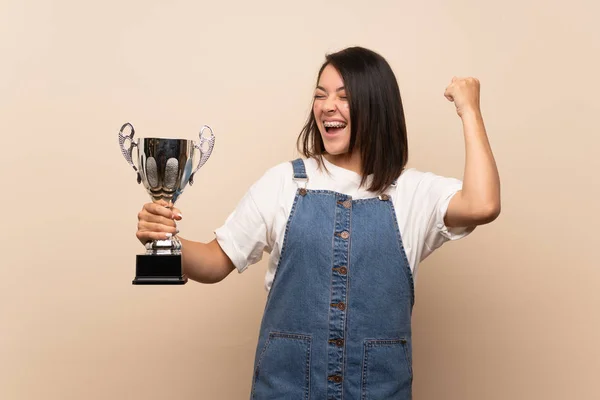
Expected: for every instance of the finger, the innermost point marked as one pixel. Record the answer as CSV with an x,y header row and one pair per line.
x,y
162,202
144,216
148,236
157,228
177,214
158,209
448,95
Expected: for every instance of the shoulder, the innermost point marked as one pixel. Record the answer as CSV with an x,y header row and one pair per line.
x,y
413,181
280,171
425,191
273,186
274,176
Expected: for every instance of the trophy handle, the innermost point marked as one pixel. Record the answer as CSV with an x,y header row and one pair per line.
x,y
203,154
127,153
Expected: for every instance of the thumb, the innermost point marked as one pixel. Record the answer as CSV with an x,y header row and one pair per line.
x,y
448,95
162,202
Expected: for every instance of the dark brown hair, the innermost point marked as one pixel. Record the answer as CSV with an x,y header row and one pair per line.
x,y
377,125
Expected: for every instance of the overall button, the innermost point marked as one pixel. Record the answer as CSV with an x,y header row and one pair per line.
x,y
335,378
347,204
384,197
340,306
337,342
344,235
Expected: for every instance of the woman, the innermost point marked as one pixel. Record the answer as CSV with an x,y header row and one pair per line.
x,y
345,228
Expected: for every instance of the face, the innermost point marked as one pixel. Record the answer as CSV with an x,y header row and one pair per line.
x,y
332,112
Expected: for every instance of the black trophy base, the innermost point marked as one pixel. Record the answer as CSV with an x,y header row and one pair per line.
x,y
163,269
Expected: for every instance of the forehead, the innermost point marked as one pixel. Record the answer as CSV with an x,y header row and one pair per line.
x,y
330,78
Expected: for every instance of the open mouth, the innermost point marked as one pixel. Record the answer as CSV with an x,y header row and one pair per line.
x,y
334,126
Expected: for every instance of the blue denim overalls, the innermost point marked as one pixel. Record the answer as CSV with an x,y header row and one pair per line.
x,y
337,322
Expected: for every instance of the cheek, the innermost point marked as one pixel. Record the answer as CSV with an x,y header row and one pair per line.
x,y
316,109
346,111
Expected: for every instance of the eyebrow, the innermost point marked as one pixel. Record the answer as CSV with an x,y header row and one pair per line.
x,y
337,90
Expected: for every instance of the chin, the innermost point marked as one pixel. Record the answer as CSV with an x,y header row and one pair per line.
x,y
335,150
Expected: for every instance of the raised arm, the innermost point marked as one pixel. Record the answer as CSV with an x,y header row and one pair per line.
x,y
479,200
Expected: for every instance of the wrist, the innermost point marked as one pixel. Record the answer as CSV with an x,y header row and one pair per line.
x,y
471,114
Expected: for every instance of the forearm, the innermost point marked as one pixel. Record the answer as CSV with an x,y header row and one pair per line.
x,y
205,262
481,182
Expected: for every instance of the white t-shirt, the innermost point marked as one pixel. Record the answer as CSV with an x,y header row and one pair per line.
x,y
258,222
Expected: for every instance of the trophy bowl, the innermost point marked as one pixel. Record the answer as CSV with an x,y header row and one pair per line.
x,y
165,167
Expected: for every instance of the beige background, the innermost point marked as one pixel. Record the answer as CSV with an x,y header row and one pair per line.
x,y
512,312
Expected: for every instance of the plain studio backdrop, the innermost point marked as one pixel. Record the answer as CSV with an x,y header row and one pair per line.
x,y
511,312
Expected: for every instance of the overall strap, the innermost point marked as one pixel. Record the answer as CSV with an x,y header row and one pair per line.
x,y
300,174
299,170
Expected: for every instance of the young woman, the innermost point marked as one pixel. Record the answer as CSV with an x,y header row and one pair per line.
x,y
345,228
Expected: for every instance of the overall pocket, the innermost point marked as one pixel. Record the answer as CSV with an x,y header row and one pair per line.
x,y
283,368
387,370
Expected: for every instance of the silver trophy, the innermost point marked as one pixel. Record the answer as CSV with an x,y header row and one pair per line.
x,y
165,167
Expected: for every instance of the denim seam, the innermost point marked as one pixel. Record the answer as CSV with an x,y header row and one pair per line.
x,y
284,245
307,371
364,372
331,312
299,168
347,294
284,335
400,244
389,342
408,358
334,193
373,343
330,315
289,335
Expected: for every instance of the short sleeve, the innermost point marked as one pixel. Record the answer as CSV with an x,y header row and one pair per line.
x,y
423,200
440,191
243,236
248,231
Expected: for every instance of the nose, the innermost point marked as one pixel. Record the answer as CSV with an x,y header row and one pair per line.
x,y
329,105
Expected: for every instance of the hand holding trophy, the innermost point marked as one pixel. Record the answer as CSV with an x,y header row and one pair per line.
x,y
164,166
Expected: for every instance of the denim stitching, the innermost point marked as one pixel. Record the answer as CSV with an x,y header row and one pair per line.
x,y
257,368
408,358
373,343
364,371
299,168
288,335
403,253
284,245
347,292
307,371
284,335
330,312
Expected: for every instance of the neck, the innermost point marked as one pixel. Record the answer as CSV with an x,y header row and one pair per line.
x,y
347,161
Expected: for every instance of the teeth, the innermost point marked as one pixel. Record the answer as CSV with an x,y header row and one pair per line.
x,y
334,124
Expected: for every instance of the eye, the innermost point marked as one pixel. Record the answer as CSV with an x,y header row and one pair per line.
x,y
319,96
